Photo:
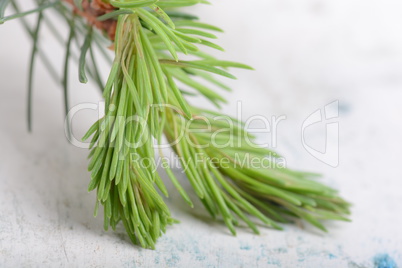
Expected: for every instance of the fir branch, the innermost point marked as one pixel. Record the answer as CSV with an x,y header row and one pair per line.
x,y
144,103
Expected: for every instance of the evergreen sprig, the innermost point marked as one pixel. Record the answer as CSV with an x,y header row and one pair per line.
x,y
144,104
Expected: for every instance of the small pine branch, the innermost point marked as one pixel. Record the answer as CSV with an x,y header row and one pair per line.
x,y
144,103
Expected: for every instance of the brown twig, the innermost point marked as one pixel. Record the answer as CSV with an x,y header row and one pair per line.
x,y
92,10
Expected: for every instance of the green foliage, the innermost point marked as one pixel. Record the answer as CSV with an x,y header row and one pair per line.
x,y
144,103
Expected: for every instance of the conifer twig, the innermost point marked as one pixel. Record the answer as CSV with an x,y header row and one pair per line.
x,y
144,104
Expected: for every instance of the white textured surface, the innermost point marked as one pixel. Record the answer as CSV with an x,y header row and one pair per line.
x,y
307,53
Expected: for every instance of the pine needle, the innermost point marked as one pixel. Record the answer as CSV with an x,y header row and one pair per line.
x,y
65,77
23,14
35,39
82,62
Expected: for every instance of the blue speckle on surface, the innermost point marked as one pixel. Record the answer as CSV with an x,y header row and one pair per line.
x,y
301,259
173,260
273,262
384,261
331,256
245,247
157,259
